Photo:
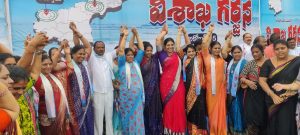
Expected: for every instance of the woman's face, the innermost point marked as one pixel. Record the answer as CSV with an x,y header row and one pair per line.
x,y
79,56
170,47
216,50
256,53
148,52
19,88
237,54
46,66
130,57
53,51
281,51
10,61
190,53
5,78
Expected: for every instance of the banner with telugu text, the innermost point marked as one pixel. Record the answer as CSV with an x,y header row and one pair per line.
x,y
280,16
101,19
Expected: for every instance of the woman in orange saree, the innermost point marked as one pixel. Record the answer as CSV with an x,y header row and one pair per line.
x,y
215,85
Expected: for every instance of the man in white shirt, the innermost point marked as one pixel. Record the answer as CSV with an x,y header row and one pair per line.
x,y
293,49
102,78
246,46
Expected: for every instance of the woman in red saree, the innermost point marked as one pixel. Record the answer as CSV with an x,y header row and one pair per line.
x,y
53,105
171,86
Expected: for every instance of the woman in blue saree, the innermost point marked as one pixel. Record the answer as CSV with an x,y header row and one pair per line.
x,y
79,90
153,104
235,95
131,88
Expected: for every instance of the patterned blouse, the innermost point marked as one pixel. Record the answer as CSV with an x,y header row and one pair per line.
x,y
251,71
26,121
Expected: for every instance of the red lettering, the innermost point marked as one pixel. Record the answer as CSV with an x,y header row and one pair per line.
x,y
247,14
178,12
223,9
203,15
276,30
236,29
157,11
294,31
283,34
235,11
290,31
268,32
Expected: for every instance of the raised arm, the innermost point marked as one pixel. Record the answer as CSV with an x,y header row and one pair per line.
x,y
186,36
55,58
123,41
178,38
85,42
207,38
40,39
132,39
227,46
73,27
37,64
67,51
160,37
139,40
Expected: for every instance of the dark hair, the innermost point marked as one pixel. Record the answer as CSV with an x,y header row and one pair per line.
x,y
44,57
257,39
189,46
289,39
127,50
274,37
198,42
17,58
236,47
4,56
167,40
258,46
246,34
50,51
213,43
280,41
76,48
18,74
147,44
97,43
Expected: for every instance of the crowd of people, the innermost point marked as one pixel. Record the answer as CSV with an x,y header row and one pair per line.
x,y
180,88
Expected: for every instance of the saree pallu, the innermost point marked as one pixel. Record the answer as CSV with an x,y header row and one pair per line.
x,y
59,124
117,122
82,117
195,104
174,115
153,104
255,111
216,103
235,98
281,116
131,100
27,120
236,122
